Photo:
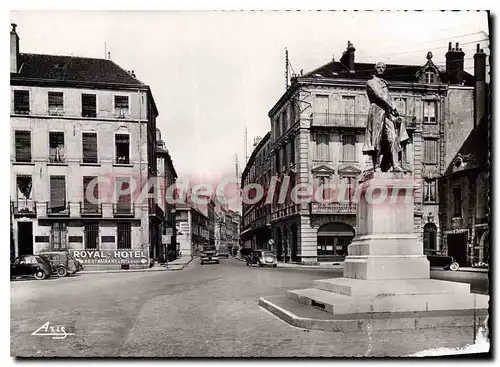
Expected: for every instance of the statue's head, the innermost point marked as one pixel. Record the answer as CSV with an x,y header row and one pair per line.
x,y
380,68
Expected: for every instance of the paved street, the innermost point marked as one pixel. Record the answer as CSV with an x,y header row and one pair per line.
x,y
201,311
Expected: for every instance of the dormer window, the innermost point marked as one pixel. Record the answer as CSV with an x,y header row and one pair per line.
x,y
430,77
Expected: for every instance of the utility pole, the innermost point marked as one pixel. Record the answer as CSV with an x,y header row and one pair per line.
x,y
246,145
286,68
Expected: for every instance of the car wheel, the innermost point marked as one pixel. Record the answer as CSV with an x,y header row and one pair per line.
x,y
217,262
275,265
40,275
454,266
62,271
260,264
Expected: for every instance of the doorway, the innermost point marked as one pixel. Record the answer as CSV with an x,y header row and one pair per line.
x,y
333,241
457,247
24,238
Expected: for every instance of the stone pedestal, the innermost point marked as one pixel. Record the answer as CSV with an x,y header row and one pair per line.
x,y
386,271
385,246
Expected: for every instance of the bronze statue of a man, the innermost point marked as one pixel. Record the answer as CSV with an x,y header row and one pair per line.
x,y
385,130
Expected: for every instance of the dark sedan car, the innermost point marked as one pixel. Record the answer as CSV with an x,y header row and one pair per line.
x,y
31,265
64,263
262,258
436,259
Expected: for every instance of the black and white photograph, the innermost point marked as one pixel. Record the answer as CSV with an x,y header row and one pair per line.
x,y
250,183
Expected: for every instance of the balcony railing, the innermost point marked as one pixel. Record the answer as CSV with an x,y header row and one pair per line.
x,y
57,209
56,158
122,160
90,210
284,212
123,210
24,207
333,208
354,120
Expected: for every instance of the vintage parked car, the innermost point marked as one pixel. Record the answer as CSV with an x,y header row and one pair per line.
x,y
262,258
64,263
436,259
31,265
209,255
223,252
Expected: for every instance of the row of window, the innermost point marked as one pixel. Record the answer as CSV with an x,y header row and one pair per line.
x,y
59,235
322,107
322,151
286,119
57,187
57,147
55,103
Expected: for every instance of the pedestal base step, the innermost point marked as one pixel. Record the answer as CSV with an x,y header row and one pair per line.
x,y
307,317
339,304
359,287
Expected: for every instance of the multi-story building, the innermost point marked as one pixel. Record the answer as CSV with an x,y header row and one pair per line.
x,y
192,229
165,209
464,186
212,219
256,218
220,226
75,119
317,134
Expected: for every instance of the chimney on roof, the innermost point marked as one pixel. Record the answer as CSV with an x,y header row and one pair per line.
x,y
480,86
455,64
347,58
132,73
14,49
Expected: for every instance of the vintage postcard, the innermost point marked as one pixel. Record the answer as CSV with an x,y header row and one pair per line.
x,y
250,184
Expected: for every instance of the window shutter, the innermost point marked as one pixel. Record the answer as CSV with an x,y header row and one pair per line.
x,y
57,192
89,142
21,101
89,105
23,146
349,147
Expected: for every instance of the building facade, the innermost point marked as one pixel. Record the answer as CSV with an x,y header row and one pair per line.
x,y
256,218
316,138
164,245
192,229
75,120
465,186
212,219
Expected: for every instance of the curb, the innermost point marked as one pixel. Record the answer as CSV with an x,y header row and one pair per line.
x,y
390,321
153,269
484,271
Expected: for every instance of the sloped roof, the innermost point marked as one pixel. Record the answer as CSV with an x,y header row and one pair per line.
x,y
364,71
73,69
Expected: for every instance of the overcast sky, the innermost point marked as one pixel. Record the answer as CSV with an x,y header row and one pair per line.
x,y
212,73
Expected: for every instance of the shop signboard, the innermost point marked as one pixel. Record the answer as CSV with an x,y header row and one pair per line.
x,y
111,257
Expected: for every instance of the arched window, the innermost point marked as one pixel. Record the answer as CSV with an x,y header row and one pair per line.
x,y
430,238
333,241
